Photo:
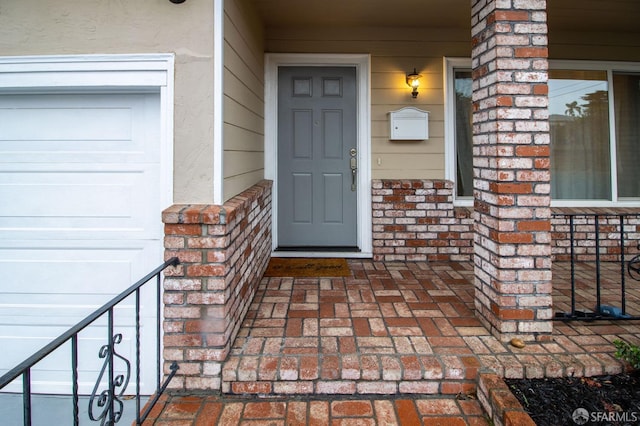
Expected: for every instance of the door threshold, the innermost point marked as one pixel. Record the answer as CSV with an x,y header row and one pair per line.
x,y
321,253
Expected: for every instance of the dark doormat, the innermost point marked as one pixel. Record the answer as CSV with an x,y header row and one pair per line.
x,y
307,267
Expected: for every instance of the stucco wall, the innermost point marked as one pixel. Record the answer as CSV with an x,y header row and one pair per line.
x,y
36,27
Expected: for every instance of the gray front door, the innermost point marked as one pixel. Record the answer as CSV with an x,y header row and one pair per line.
x,y
317,198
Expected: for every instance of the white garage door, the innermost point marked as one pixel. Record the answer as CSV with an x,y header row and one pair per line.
x,y
79,222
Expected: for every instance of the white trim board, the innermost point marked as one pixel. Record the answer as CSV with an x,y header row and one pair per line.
x,y
362,63
449,64
218,102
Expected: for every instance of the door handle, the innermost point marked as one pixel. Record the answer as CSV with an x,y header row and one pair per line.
x,y
354,168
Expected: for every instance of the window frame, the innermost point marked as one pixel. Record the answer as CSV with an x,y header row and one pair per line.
x,y
450,64
450,157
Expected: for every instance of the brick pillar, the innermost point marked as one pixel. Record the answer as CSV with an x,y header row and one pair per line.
x,y
511,168
223,252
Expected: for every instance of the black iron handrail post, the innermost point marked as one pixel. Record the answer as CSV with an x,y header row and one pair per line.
x,y
623,283
138,355
598,309
160,386
573,267
74,378
158,358
26,396
111,389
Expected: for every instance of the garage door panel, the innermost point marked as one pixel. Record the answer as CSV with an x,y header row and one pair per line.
x,y
80,203
116,124
80,221
46,292
97,128
67,268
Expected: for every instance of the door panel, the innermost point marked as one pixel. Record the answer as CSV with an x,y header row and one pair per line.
x,y
302,198
332,134
333,198
302,134
317,206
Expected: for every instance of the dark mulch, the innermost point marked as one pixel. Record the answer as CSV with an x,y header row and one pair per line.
x,y
609,400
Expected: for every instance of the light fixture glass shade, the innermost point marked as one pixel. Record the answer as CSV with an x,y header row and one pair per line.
x,y
413,81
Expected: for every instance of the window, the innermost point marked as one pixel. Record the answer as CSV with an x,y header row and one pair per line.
x,y
594,117
626,90
464,133
579,126
458,130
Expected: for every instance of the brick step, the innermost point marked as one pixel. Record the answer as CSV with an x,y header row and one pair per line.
x,y
350,374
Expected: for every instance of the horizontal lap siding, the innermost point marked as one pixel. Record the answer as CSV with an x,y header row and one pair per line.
x,y
244,98
594,46
394,52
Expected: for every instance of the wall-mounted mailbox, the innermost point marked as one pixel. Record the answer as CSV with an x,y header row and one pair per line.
x,y
409,124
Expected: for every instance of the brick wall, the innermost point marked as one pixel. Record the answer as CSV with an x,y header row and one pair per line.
x,y
501,406
223,252
414,220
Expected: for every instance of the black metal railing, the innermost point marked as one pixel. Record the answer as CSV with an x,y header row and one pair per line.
x,y
105,406
586,234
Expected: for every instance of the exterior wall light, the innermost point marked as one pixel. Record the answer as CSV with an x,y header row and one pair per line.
x,y
177,1
413,81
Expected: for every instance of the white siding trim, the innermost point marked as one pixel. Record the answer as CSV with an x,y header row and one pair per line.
x,y
21,73
362,63
218,102
450,124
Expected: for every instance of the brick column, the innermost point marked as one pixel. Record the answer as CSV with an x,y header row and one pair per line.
x,y
223,252
511,168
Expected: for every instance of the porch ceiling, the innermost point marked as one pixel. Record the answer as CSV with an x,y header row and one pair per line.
x,y
374,13
569,15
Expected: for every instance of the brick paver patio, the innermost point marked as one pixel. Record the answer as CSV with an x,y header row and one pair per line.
x,y
395,343
388,329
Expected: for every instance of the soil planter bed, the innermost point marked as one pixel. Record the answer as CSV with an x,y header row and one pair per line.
x,y
604,400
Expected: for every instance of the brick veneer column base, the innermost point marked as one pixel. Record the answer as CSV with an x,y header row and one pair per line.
x,y
224,251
